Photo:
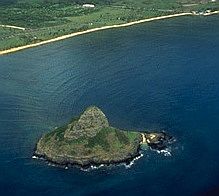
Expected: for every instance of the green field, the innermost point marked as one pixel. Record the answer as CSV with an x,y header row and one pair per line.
x,y
44,19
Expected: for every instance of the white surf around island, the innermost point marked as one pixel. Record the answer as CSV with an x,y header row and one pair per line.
x,y
165,152
7,51
93,167
126,165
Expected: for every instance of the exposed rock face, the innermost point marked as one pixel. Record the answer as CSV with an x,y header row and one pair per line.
x,y
89,123
158,141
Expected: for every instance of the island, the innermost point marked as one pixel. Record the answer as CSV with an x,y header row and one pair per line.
x,y
90,140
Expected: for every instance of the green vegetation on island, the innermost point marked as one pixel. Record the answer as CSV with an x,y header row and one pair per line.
x,y
89,140
45,20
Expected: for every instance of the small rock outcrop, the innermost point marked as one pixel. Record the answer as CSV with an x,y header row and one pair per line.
x,y
158,140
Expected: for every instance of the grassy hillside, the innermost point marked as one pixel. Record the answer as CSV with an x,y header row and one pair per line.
x,y
108,144
45,19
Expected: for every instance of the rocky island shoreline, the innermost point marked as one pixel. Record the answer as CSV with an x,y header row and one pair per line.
x,y
90,140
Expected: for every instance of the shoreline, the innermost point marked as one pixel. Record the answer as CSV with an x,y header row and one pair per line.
x,y
211,13
90,164
128,163
7,51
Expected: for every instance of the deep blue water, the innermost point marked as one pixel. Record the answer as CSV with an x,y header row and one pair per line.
x,y
160,75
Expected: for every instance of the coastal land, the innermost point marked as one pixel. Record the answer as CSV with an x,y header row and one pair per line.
x,y
89,31
29,24
90,140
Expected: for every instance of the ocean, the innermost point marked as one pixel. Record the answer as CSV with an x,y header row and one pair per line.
x,y
161,75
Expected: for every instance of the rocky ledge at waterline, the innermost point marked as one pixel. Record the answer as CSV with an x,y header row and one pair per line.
x,y
90,140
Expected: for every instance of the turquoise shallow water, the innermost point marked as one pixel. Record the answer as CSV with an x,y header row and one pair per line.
x,y
160,75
